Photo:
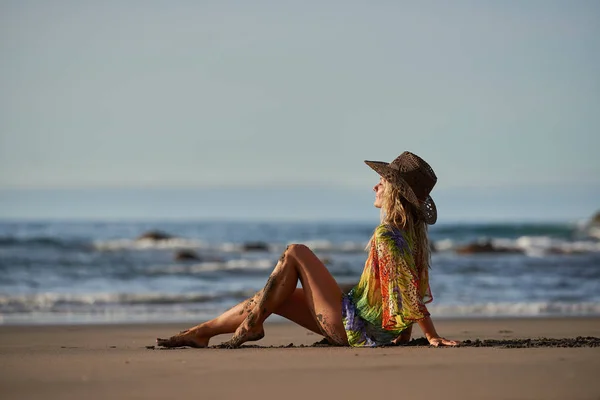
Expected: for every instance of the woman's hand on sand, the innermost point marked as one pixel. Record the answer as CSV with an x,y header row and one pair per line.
x,y
440,341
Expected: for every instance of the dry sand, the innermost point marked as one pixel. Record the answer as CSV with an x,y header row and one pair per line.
x,y
112,362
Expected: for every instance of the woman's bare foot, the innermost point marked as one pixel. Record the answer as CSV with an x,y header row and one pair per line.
x,y
248,331
404,337
189,338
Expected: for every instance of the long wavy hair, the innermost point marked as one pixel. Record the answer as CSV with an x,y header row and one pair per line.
x,y
398,213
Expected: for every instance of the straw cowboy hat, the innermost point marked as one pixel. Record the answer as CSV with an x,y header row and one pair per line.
x,y
414,178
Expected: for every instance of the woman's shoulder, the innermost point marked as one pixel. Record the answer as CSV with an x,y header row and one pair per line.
x,y
392,235
387,229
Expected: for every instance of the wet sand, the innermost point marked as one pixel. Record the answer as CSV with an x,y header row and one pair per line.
x,y
113,361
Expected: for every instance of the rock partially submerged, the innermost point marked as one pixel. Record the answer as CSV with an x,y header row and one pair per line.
x,y
154,235
255,246
186,255
485,247
593,226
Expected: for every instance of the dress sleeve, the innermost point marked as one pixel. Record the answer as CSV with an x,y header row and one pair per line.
x,y
400,282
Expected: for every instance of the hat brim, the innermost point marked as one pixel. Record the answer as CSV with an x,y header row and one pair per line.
x,y
427,208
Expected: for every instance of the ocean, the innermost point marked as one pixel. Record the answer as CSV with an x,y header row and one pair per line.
x,y
99,272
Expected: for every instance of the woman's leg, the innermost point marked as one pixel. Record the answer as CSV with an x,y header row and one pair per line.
x,y
199,335
404,337
295,309
322,294
316,307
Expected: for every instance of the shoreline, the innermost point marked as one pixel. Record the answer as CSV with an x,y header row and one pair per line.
x,y
106,361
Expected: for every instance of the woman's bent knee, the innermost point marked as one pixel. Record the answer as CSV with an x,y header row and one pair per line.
x,y
297,250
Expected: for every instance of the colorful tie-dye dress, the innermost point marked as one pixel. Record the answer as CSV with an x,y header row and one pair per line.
x,y
391,294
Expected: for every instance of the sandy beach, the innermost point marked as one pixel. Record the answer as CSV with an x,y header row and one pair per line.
x,y
112,361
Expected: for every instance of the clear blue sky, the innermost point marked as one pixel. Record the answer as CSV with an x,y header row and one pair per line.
x,y
502,98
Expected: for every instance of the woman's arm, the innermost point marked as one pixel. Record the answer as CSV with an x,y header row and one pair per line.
x,y
402,300
426,325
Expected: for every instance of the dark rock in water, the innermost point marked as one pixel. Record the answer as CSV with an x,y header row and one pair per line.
x,y
592,228
471,248
186,255
255,246
485,247
154,235
595,220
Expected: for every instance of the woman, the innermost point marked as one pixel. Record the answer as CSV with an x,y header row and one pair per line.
x,y
390,296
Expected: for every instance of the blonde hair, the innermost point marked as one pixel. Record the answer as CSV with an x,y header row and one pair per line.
x,y
398,213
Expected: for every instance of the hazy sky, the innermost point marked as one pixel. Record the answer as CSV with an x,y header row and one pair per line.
x,y
502,94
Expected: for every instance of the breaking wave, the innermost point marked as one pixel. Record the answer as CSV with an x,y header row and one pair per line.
x,y
58,302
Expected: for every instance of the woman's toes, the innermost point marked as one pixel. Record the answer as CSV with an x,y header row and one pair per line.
x,y
183,341
164,342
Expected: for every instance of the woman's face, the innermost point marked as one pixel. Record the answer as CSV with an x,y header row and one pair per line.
x,y
378,189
